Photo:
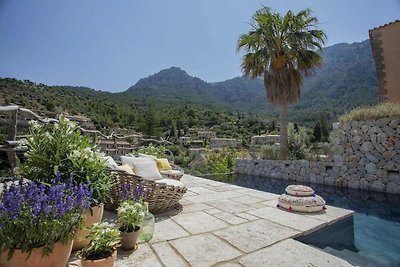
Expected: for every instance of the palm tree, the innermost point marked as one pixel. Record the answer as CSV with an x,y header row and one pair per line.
x,y
282,48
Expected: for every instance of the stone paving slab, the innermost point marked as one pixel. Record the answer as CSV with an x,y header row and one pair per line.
x,y
254,235
229,218
228,205
199,222
168,256
214,196
247,216
247,199
167,230
143,256
196,207
204,250
289,219
292,253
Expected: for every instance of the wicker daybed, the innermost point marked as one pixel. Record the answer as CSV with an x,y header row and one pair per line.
x,y
176,173
160,196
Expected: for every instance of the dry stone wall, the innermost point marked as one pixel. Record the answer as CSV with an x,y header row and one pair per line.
x,y
366,155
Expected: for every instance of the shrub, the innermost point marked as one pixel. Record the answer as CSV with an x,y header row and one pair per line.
x,y
298,142
270,152
221,161
157,151
60,147
373,113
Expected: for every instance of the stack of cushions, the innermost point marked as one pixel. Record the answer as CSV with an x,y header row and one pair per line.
x,y
146,167
301,198
111,164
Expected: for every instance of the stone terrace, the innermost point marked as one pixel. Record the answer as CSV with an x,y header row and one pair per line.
x,y
228,225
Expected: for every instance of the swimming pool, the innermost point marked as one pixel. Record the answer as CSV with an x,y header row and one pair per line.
x,y
376,219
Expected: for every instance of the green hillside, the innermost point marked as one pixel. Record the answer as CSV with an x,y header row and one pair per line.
x,y
172,97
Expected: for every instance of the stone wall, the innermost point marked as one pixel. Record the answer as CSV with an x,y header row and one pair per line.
x,y
366,155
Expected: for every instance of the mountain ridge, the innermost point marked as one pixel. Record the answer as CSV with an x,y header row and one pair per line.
x,y
345,80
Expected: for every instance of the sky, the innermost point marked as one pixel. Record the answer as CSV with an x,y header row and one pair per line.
x,y
109,45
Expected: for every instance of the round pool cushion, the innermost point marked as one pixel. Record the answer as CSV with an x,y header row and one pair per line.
x,y
299,190
303,204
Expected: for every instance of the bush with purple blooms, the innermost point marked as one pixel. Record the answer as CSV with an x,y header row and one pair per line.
x,y
34,215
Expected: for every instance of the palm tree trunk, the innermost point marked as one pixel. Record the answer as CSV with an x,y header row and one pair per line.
x,y
283,138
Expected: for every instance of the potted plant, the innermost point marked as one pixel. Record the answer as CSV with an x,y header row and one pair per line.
x,y
130,218
38,222
102,249
61,148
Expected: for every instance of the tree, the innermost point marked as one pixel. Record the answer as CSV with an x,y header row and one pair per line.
x,y
282,48
150,123
317,132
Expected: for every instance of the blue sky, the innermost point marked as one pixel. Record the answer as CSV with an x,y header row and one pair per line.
x,y
109,45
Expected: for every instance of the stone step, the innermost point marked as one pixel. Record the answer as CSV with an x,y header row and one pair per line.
x,y
352,257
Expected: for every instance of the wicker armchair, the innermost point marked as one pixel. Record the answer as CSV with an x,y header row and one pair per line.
x,y
161,197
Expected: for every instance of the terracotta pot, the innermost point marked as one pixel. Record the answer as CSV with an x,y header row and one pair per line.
x,y
107,262
58,258
129,240
90,219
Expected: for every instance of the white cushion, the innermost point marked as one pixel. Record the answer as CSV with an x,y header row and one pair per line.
x,y
146,169
132,160
111,163
147,156
171,182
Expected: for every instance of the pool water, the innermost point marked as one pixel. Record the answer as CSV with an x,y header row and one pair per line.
x,y
376,219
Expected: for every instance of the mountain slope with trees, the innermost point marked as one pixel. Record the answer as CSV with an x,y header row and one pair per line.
x,y
345,80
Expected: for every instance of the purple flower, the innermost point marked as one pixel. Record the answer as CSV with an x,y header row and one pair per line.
x,y
39,202
135,193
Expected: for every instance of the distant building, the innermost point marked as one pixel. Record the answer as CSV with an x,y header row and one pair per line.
x,y
223,142
184,141
83,121
206,135
385,42
266,139
197,151
115,147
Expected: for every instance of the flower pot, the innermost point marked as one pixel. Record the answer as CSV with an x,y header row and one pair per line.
x,y
129,240
107,262
57,258
90,219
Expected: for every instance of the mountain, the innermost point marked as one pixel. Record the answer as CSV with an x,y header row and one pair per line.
x,y
345,80
172,85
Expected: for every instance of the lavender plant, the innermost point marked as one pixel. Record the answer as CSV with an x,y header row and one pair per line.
x,y
35,215
60,147
136,193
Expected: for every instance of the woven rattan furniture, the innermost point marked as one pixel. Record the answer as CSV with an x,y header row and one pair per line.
x,y
161,197
176,173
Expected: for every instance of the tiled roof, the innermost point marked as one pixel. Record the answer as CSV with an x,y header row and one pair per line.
x,y
384,25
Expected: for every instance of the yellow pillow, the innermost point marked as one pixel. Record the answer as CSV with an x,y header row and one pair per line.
x,y
163,164
126,168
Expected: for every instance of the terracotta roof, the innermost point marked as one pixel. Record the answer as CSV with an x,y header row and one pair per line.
x,y
384,25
